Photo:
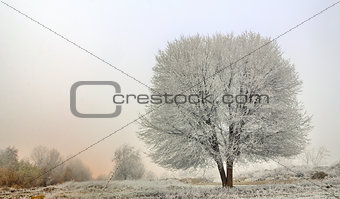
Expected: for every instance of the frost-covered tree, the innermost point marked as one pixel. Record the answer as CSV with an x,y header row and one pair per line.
x,y
220,130
76,170
315,157
127,164
9,158
45,159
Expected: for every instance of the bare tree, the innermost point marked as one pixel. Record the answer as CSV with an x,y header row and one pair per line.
x,y
230,116
127,164
9,158
315,157
46,159
8,166
77,171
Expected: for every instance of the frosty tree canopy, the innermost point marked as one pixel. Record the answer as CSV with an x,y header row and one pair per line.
x,y
183,136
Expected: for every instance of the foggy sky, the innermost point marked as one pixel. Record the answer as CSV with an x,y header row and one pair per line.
x,y
37,68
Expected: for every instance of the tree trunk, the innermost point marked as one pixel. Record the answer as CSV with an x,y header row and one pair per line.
x,y
222,173
229,173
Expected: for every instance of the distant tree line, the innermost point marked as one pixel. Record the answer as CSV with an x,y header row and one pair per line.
x,y
28,172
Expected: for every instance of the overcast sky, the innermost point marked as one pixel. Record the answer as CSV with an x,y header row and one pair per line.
x,y
37,68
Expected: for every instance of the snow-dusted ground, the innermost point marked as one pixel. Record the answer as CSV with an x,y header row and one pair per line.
x,y
175,189
278,183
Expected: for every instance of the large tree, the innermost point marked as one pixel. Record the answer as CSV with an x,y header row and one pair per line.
x,y
220,130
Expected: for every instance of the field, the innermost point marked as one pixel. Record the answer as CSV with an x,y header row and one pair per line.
x,y
277,183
